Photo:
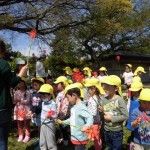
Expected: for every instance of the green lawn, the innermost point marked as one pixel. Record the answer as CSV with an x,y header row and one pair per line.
x,y
14,145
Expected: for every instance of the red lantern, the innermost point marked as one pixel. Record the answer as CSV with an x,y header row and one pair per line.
x,y
118,58
33,33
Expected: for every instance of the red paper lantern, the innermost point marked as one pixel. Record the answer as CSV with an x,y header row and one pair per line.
x,y
33,33
118,58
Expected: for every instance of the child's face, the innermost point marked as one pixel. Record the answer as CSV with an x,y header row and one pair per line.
x,y
60,87
110,90
45,97
140,73
127,69
21,85
135,93
36,86
101,73
85,72
91,90
71,98
145,105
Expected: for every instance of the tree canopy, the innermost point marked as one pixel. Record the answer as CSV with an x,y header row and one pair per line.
x,y
81,29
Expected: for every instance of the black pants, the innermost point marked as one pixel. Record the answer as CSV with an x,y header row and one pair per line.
x,y
64,132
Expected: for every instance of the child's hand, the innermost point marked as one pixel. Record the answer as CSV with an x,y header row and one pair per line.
x,y
138,120
107,117
100,108
84,128
33,115
58,121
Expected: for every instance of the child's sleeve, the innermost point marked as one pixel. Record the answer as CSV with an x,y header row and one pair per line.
x,y
15,97
124,113
67,121
87,116
92,107
134,115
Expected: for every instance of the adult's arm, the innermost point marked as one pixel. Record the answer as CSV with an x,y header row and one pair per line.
x,y
7,75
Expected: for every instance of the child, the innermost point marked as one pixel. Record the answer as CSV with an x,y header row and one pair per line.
x,y
63,107
68,72
80,118
22,108
140,121
138,73
95,90
48,114
128,75
115,112
133,102
87,72
102,73
36,101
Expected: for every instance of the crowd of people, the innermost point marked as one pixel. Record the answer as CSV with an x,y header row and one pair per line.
x,y
85,105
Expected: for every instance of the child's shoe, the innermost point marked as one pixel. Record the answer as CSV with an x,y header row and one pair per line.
x,y
20,138
26,139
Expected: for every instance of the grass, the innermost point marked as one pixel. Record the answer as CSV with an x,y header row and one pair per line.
x,y
14,145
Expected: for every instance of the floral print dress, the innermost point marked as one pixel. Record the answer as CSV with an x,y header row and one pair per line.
x,y
22,105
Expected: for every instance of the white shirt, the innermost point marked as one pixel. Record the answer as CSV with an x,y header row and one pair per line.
x,y
101,77
128,76
40,69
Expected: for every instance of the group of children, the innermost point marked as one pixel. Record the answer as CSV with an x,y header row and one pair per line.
x,y
100,117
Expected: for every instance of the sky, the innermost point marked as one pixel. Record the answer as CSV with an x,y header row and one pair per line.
x,y
21,42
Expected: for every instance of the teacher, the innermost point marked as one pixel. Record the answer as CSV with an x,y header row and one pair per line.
x,y
7,80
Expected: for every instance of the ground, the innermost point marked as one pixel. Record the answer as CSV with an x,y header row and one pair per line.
x,y
14,145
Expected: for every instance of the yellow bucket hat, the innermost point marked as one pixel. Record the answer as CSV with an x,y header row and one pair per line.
x,y
129,65
62,79
38,79
94,82
75,85
145,95
113,80
102,69
68,70
88,71
141,69
136,86
47,88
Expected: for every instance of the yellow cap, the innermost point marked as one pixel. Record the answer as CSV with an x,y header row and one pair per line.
x,y
141,69
75,69
75,85
113,80
136,86
68,70
94,82
88,71
129,65
38,79
102,69
47,88
145,95
62,79
80,86
23,79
